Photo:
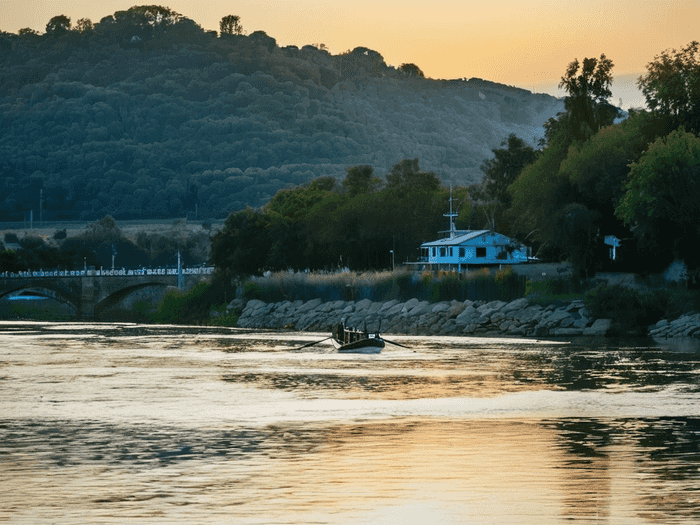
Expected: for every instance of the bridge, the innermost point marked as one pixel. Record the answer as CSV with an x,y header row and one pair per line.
x,y
87,291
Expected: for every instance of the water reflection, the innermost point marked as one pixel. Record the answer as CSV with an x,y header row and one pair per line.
x,y
113,423
631,471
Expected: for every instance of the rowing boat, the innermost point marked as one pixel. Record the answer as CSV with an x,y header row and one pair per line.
x,y
347,340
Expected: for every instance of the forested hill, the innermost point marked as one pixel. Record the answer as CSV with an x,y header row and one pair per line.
x,y
136,118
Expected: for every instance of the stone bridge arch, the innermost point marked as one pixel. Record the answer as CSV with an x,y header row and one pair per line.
x,y
68,295
84,290
114,298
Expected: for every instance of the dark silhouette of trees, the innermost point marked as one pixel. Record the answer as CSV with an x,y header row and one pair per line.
x,y
411,69
588,88
505,166
58,25
360,180
231,25
672,86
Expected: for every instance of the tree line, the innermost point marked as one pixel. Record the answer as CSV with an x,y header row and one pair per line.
x,y
594,174
145,114
103,244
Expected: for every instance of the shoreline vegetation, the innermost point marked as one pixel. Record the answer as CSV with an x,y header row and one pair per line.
x,y
481,302
557,306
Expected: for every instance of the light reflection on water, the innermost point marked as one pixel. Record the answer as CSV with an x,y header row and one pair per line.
x,y
127,423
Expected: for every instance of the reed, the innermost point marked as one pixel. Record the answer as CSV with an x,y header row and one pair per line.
x,y
478,285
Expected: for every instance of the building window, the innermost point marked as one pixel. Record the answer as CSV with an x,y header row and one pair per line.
x,y
450,251
481,252
461,252
434,250
442,252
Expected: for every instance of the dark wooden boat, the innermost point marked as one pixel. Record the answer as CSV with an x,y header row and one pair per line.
x,y
347,340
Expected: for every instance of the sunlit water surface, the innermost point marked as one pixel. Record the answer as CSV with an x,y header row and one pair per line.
x,y
129,423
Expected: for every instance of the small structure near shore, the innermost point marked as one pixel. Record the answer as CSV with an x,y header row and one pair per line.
x,y
462,249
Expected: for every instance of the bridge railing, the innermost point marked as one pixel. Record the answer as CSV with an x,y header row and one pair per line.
x,y
123,272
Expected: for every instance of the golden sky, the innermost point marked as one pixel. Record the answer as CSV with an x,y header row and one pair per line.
x,y
526,43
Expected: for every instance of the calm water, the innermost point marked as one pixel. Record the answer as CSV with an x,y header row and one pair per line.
x,y
134,424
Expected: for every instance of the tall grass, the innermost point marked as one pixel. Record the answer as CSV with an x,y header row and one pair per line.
x,y
481,285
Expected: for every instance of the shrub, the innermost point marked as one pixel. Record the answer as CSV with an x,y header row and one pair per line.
x,y
630,310
191,307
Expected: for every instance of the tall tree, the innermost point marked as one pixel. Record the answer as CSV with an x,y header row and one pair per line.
x,y
84,25
588,88
360,180
58,25
672,86
231,25
505,166
663,191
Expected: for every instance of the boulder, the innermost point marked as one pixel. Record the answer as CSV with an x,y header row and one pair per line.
x,y
599,327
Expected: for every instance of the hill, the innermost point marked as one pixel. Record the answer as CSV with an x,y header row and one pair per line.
x,y
142,119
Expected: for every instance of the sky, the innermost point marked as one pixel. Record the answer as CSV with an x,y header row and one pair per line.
x,y
524,43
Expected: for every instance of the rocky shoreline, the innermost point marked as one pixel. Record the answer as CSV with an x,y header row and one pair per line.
x,y
414,317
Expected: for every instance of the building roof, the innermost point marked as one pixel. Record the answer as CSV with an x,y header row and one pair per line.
x,y
463,237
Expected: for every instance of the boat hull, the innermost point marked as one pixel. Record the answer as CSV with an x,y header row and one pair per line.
x,y
370,345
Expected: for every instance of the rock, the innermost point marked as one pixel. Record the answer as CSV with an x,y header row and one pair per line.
x,y
411,303
309,305
420,309
364,304
490,308
467,315
387,305
455,310
518,304
599,327
441,307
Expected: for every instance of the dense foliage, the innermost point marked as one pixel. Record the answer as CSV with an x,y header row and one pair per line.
x,y
635,179
326,225
102,244
146,115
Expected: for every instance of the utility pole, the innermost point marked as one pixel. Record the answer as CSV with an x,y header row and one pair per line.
x,y
180,280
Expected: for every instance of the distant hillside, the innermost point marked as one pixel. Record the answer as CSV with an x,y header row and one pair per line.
x,y
180,119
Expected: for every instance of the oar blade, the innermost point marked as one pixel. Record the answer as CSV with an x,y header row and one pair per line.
x,y
395,343
312,343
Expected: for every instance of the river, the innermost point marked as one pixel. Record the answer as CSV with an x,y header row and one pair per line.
x,y
124,423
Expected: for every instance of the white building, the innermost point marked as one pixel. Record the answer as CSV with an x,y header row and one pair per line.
x,y
462,249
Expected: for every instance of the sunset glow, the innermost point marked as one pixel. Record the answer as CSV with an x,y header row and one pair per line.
x,y
526,43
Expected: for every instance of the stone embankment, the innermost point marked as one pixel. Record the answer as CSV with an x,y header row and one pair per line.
x,y
687,325
413,317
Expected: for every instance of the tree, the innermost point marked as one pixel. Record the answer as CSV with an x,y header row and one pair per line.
x,y
58,25
588,88
242,247
84,25
505,166
412,70
672,86
663,191
231,25
27,32
360,180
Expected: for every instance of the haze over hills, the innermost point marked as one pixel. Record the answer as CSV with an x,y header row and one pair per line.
x,y
179,119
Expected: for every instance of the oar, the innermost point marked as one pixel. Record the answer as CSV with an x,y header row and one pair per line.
x,y
314,343
395,343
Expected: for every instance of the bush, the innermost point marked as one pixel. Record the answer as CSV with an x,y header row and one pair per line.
x,y
189,308
630,310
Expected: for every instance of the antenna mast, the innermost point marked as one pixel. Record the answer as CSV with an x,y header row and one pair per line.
x,y
451,216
